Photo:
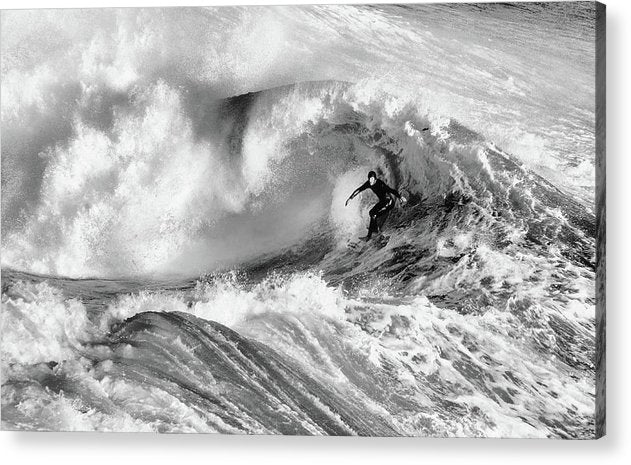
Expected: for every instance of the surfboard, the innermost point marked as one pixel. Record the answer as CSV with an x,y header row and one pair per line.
x,y
378,240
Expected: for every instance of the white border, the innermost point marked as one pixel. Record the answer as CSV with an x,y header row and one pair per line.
x,y
100,448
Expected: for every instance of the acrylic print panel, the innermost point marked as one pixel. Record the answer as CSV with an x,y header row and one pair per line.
x,y
192,243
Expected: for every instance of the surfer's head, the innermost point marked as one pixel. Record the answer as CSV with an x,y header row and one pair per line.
x,y
372,177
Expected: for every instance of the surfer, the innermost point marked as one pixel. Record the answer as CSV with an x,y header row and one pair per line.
x,y
379,212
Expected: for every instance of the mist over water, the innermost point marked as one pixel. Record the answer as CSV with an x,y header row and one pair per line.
x,y
175,244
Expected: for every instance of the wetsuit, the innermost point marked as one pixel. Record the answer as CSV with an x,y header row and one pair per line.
x,y
381,208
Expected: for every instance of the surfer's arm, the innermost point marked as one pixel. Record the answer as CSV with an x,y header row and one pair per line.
x,y
361,188
394,192
397,194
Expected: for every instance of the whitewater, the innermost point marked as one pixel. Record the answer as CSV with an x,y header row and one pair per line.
x,y
175,244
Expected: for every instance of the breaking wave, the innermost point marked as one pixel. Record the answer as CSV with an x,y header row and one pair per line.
x,y
487,267
177,256
157,193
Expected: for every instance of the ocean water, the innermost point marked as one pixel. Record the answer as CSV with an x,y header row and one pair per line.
x,y
177,255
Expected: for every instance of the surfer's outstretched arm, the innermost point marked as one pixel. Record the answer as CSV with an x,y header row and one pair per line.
x,y
394,191
363,187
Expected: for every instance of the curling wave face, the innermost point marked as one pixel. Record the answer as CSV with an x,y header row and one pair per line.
x,y
154,195
488,267
476,319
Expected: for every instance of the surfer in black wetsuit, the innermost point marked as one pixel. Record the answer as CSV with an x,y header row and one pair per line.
x,y
382,208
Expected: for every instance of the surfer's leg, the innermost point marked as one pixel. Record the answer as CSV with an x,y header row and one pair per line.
x,y
377,209
385,213
379,214
375,213
371,226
